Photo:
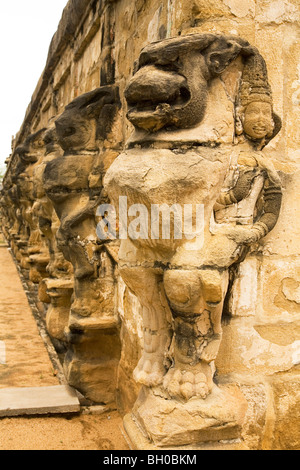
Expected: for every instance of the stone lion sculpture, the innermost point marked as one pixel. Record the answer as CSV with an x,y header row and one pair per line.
x,y
202,110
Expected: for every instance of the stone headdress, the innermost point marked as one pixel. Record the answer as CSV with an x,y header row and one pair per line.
x,y
255,87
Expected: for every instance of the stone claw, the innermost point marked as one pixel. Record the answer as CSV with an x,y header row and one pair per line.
x,y
149,371
186,384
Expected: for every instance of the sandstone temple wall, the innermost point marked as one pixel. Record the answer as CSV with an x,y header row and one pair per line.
x,y
54,184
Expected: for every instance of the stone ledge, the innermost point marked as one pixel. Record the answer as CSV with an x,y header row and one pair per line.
x,y
137,441
38,401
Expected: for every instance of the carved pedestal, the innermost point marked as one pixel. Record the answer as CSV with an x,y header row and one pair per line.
x,y
160,423
91,361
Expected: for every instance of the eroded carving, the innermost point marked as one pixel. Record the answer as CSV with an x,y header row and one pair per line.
x,y
175,156
170,87
73,183
29,237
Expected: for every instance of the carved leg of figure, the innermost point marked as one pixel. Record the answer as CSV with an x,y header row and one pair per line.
x,y
196,298
60,292
147,285
93,305
76,254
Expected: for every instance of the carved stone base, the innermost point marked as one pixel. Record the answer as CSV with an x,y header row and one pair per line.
x,y
138,441
59,292
157,422
91,362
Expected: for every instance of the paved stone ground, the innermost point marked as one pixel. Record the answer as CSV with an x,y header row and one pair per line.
x,y
25,362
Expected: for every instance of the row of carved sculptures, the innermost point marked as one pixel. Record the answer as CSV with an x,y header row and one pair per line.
x,y
202,110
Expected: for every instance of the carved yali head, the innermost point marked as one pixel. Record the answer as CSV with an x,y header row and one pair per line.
x,y
29,152
51,140
255,115
32,149
87,119
14,194
170,84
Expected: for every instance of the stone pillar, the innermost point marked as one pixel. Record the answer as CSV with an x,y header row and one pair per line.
x,y
73,182
203,112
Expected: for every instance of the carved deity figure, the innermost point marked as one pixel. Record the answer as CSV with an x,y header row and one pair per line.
x,y
184,108
255,188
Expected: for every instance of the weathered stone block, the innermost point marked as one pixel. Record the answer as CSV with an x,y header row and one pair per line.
x,y
38,401
286,389
169,424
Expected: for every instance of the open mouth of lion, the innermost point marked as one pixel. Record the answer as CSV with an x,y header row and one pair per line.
x,y
153,115
154,96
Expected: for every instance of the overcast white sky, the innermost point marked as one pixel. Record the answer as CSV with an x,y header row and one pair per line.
x,y
26,30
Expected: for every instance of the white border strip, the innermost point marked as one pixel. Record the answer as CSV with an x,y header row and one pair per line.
x,y
2,353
